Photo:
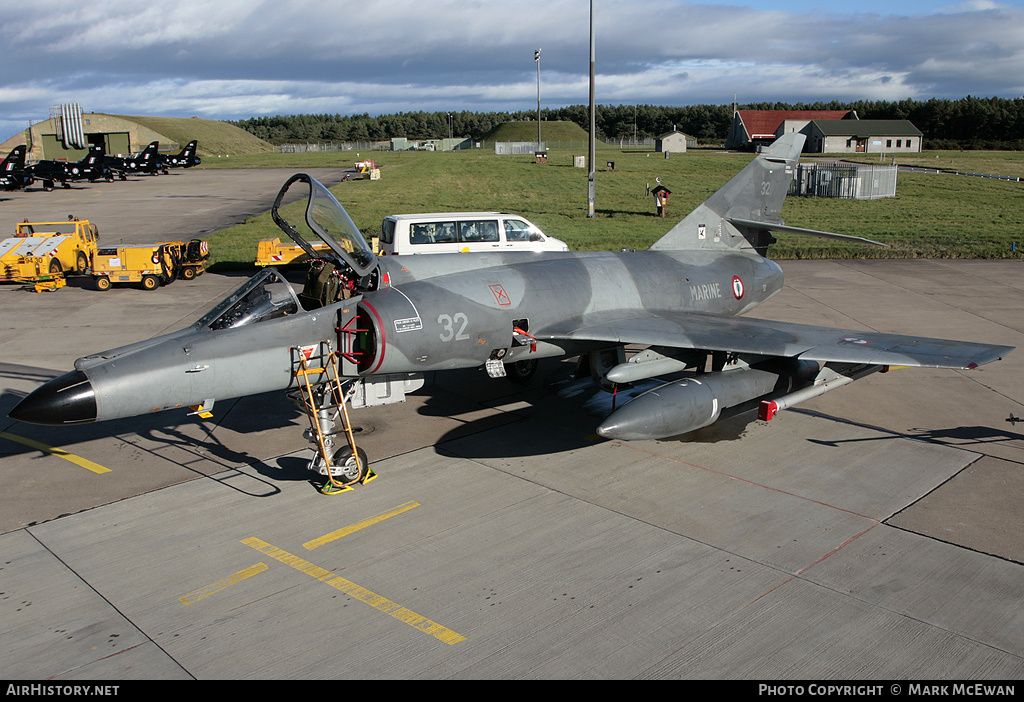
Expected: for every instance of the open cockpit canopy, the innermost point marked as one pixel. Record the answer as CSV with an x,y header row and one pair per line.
x,y
325,221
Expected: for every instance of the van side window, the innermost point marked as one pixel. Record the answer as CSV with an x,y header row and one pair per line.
x,y
420,234
444,232
478,230
516,230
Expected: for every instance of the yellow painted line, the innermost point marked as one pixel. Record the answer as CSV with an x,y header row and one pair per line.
x,y
238,577
354,591
345,531
60,453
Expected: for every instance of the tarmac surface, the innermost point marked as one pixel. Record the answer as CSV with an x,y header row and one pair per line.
x,y
872,533
180,205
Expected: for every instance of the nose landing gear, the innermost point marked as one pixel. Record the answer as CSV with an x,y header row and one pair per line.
x,y
330,431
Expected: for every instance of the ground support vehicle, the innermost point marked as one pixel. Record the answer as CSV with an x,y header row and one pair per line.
x,y
32,270
189,258
48,249
271,252
149,265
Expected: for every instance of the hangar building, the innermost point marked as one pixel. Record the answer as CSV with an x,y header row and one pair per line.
x,y
116,134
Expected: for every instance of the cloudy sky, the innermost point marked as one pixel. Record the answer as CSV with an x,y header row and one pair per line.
x,y
233,59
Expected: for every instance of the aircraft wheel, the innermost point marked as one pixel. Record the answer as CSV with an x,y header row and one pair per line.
x,y
150,282
344,467
103,283
521,371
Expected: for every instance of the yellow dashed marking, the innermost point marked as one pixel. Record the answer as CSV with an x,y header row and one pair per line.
x,y
356,592
223,583
345,531
59,452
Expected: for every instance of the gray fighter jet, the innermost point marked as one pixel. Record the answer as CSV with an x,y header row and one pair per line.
x,y
388,318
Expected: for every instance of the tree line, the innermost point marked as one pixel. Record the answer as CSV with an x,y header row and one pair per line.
x,y
966,123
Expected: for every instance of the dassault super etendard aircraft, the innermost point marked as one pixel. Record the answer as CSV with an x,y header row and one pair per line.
x,y
387,318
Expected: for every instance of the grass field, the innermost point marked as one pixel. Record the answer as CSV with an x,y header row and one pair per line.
x,y
933,215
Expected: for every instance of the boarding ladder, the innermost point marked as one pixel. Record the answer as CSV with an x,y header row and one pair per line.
x,y
325,401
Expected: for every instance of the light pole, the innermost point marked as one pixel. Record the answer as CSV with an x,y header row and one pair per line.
x,y
592,156
536,59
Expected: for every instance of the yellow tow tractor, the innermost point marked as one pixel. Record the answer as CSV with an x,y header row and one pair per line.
x,y
150,265
44,251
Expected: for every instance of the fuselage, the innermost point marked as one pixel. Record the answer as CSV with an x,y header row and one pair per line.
x,y
455,311
426,313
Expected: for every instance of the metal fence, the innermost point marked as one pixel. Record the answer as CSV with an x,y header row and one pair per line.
x,y
327,146
844,180
509,148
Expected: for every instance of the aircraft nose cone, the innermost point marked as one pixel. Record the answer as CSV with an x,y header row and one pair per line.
x,y
67,399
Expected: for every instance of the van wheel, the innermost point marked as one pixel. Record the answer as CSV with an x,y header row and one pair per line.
x,y
150,282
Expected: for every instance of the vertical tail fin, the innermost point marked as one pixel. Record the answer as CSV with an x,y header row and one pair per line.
x,y
94,155
753,195
149,153
15,160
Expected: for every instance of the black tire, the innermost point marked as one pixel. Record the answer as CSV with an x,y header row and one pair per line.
x,y
343,459
102,283
188,272
54,266
81,262
150,282
521,371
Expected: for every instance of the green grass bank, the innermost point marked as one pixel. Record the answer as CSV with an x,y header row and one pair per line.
x,y
932,216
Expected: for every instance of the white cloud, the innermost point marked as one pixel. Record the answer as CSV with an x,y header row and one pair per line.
x,y
241,58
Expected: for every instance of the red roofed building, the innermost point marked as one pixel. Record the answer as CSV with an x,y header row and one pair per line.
x,y
753,128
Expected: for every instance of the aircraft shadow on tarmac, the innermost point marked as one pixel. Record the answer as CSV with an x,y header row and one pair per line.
x,y
162,433
565,410
974,437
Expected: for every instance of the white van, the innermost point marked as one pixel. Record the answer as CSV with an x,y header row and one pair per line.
x,y
453,232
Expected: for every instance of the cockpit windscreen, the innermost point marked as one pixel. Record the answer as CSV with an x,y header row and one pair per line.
x,y
267,295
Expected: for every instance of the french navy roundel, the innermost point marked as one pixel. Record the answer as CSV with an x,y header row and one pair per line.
x,y
737,287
